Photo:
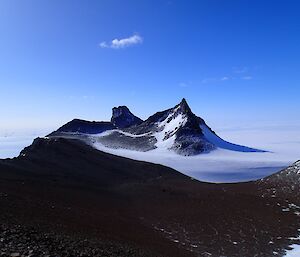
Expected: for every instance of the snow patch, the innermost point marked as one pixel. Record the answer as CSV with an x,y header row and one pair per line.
x,y
295,252
133,135
166,137
220,143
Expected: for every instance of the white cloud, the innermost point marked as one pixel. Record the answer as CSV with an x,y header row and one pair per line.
x,y
123,42
208,80
240,69
183,84
103,45
247,78
224,78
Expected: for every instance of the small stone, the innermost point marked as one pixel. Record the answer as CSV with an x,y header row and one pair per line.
x,y
15,255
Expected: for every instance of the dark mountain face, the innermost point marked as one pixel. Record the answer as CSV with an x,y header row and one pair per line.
x,y
190,139
63,197
73,158
123,118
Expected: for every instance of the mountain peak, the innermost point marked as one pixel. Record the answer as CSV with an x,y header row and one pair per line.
x,y
117,111
184,107
183,101
122,117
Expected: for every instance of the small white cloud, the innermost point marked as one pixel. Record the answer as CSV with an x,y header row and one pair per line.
x,y
123,42
240,69
84,97
209,80
224,78
103,45
247,78
183,84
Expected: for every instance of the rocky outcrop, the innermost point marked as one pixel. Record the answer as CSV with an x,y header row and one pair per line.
x,y
123,118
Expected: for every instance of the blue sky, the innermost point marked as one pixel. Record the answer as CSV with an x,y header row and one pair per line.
x,y
236,62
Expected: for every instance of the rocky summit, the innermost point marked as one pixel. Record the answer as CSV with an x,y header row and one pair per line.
x,y
123,118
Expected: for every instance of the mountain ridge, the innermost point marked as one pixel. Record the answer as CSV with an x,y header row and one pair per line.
x,y
176,129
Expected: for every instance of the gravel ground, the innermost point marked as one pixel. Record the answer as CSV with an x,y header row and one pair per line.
x,y
17,240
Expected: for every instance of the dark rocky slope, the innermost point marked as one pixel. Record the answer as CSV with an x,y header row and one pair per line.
x,y
83,127
284,184
61,197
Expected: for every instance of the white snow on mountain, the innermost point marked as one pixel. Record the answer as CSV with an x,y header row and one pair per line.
x,y
166,137
124,133
219,142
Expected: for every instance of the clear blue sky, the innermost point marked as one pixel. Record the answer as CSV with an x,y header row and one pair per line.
x,y
234,61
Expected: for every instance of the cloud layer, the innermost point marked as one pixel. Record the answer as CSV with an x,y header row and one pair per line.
x,y
123,42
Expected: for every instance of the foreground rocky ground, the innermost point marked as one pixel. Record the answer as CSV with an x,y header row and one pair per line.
x,y
63,198
22,241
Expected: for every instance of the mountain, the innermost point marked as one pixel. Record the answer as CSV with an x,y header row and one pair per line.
x,y
62,197
176,129
123,118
